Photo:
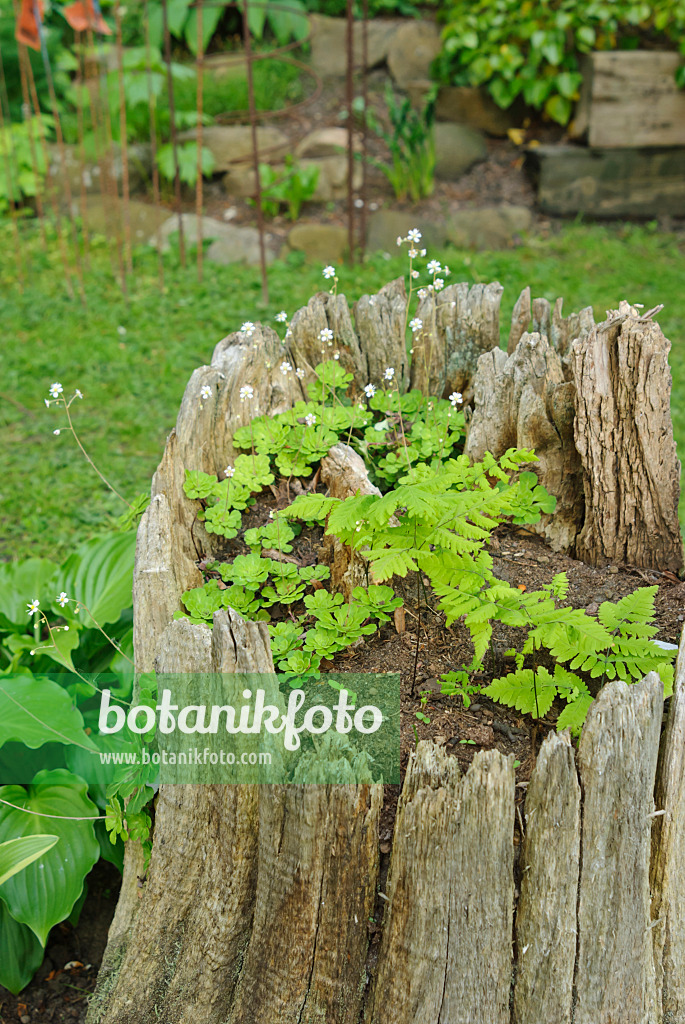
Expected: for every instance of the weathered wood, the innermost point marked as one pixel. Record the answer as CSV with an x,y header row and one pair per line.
x,y
624,435
317,873
564,330
667,873
615,978
630,97
546,913
451,896
459,325
523,401
344,473
380,322
326,312
609,182
520,319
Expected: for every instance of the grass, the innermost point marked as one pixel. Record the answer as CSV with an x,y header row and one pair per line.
x,y
133,381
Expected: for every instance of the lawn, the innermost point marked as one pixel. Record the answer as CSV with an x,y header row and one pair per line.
x,y
132,359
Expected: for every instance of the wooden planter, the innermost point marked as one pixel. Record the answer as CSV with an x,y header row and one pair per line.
x,y
257,900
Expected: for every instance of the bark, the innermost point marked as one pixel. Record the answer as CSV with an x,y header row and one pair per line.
x,y
546,913
615,978
624,435
668,857
381,323
344,473
520,319
459,324
523,401
326,312
450,895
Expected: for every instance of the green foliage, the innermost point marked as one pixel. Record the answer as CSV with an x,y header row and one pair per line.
x,y
225,499
290,186
22,155
187,162
533,49
16,854
411,170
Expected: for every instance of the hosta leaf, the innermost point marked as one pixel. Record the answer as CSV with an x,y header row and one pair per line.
x,y
100,575
37,710
44,892
21,582
21,954
16,854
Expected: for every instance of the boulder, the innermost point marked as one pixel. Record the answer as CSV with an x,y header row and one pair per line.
x,y
413,48
329,43
457,147
104,218
232,143
386,225
241,246
232,244
90,172
323,142
323,243
466,105
491,227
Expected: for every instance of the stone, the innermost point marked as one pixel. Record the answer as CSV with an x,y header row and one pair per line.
x,y
457,147
102,218
323,243
467,105
609,182
239,181
323,142
231,244
329,43
413,48
231,144
386,225
491,227
89,173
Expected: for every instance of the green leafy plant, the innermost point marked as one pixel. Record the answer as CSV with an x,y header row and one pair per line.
x,y
290,185
187,162
22,154
16,854
411,170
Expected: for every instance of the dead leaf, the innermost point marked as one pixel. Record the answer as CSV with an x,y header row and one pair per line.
x,y
517,135
399,617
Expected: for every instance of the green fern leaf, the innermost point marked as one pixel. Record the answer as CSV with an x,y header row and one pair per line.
x,y
574,714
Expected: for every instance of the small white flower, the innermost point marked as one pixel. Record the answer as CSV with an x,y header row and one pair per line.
x,y
370,390
359,203
456,398
248,328
246,392
288,334
414,235
281,317
121,331
310,419
400,240
438,284
62,600
33,606
299,373
446,271
389,373
57,432
414,274
415,325
56,389
326,335
336,355
413,253
205,392
328,272
47,403
433,267
286,368
423,252
422,293
430,287
78,393
229,472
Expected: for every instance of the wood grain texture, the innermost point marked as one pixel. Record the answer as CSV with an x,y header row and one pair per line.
x,y
615,977
459,325
631,98
549,866
451,894
667,873
624,435
380,322
326,312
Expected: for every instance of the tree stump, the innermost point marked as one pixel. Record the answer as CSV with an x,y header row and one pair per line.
x,y
624,435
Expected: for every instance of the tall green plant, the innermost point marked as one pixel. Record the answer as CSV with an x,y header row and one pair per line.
x,y
410,141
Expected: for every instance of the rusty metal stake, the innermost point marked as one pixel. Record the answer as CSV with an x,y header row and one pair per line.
x,y
174,139
198,136
255,152
125,188
152,105
349,90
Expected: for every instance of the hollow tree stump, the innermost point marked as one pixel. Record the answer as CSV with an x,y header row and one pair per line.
x,y
624,434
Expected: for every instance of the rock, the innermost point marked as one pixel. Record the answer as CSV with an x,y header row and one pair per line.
x,y
466,105
611,182
323,142
324,243
231,244
231,143
491,227
239,181
103,218
329,46
386,225
89,174
412,50
457,147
